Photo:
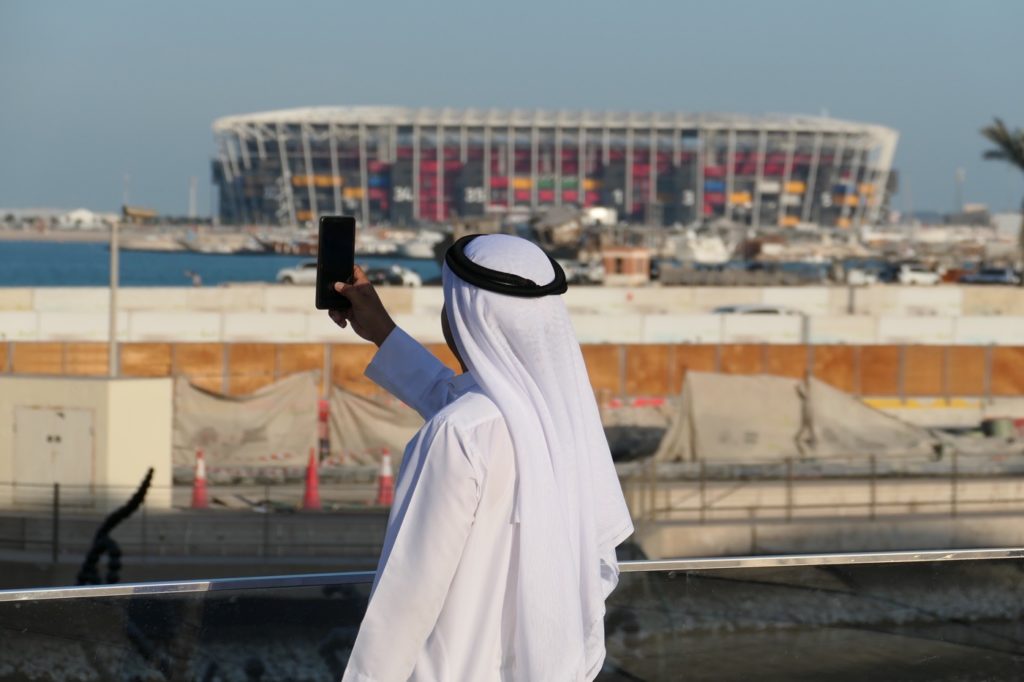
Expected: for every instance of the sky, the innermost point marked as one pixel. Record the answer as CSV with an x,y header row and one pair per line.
x,y
92,92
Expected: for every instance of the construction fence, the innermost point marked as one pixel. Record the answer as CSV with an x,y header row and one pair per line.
x,y
616,370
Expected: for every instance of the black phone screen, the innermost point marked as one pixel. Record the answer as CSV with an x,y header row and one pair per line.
x,y
335,257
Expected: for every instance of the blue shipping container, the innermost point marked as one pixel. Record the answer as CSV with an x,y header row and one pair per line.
x,y
714,186
378,181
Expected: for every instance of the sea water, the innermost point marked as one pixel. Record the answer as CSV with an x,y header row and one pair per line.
x,y
59,264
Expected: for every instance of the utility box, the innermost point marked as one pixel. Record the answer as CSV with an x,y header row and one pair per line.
x,y
95,437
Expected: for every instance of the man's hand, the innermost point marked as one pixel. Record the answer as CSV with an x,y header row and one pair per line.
x,y
367,315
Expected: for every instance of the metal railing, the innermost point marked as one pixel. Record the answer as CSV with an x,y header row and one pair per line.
x,y
642,566
867,487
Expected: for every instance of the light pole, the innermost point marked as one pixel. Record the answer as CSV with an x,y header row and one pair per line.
x,y
112,351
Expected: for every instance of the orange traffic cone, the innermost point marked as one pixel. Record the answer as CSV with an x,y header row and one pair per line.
x,y
311,499
385,481
200,500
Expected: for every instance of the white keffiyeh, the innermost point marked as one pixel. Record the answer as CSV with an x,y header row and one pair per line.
x,y
569,506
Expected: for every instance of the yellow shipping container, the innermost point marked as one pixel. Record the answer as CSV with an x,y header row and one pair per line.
x,y
796,187
591,184
521,183
843,222
353,193
303,215
790,221
740,198
328,181
318,180
866,188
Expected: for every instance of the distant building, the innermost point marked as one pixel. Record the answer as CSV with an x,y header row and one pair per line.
x,y
406,166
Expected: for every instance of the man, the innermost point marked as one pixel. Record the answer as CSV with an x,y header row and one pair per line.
x,y
500,548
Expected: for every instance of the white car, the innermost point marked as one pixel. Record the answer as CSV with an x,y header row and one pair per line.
x,y
917,274
303,273
754,310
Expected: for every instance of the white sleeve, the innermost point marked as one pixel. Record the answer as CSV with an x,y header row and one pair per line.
x,y
411,373
422,550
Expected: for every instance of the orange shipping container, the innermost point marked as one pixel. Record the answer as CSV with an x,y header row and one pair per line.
x,y
521,183
796,187
740,198
790,221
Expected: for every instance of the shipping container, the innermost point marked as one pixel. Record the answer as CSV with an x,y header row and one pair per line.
x,y
770,186
714,197
353,193
570,196
843,222
546,195
714,185
790,199
522,196
522,183
790,221
740,198
796,187
499,181
590,184
714,171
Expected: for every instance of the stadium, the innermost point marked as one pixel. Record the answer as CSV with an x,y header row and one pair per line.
x,y
401,166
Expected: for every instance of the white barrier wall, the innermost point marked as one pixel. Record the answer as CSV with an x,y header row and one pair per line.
x,y
927,315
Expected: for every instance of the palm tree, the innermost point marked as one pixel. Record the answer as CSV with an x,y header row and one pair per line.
x,y
1009,147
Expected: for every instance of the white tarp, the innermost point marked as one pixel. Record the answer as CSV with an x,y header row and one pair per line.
x,y
274,426
361,429
764,418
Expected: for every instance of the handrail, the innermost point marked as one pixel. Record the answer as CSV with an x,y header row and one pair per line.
x,y
642,566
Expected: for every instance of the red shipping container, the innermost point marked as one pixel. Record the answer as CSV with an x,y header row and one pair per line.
x,y
715,197
452,165
404,152
546,195
378,193
428,166
708,210
714,172
592,197
641,169
522,195
499,182
570,195
376,166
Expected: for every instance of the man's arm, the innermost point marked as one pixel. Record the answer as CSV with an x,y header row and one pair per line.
x,y
438,497
401,366
411,373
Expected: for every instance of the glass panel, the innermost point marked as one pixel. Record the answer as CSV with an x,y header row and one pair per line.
x,y
950,620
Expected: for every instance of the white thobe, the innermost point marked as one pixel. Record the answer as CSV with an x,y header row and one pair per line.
x,y
441,606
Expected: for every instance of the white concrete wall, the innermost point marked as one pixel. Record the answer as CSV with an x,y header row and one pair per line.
x,y
131,424
929,315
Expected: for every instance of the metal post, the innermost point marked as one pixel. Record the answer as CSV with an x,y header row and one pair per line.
x,y
652,169
873,487
113,356
703,491
558,162
789,489
225,368
622,371
953,484
787,173
510,165
266,520
286,172
55,543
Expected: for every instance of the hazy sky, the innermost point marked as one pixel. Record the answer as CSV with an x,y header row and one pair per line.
x,y
93,90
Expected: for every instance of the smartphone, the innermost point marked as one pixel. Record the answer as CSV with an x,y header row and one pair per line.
x,y
335,257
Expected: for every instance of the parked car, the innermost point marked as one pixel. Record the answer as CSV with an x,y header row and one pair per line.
x,y
397,275
861,277
992,276
303,273
917,275
753,309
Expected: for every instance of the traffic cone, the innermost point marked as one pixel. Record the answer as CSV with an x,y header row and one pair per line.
x,y
200,500
385,481
311,499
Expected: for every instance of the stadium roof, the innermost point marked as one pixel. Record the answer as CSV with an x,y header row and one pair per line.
x,y
370,115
